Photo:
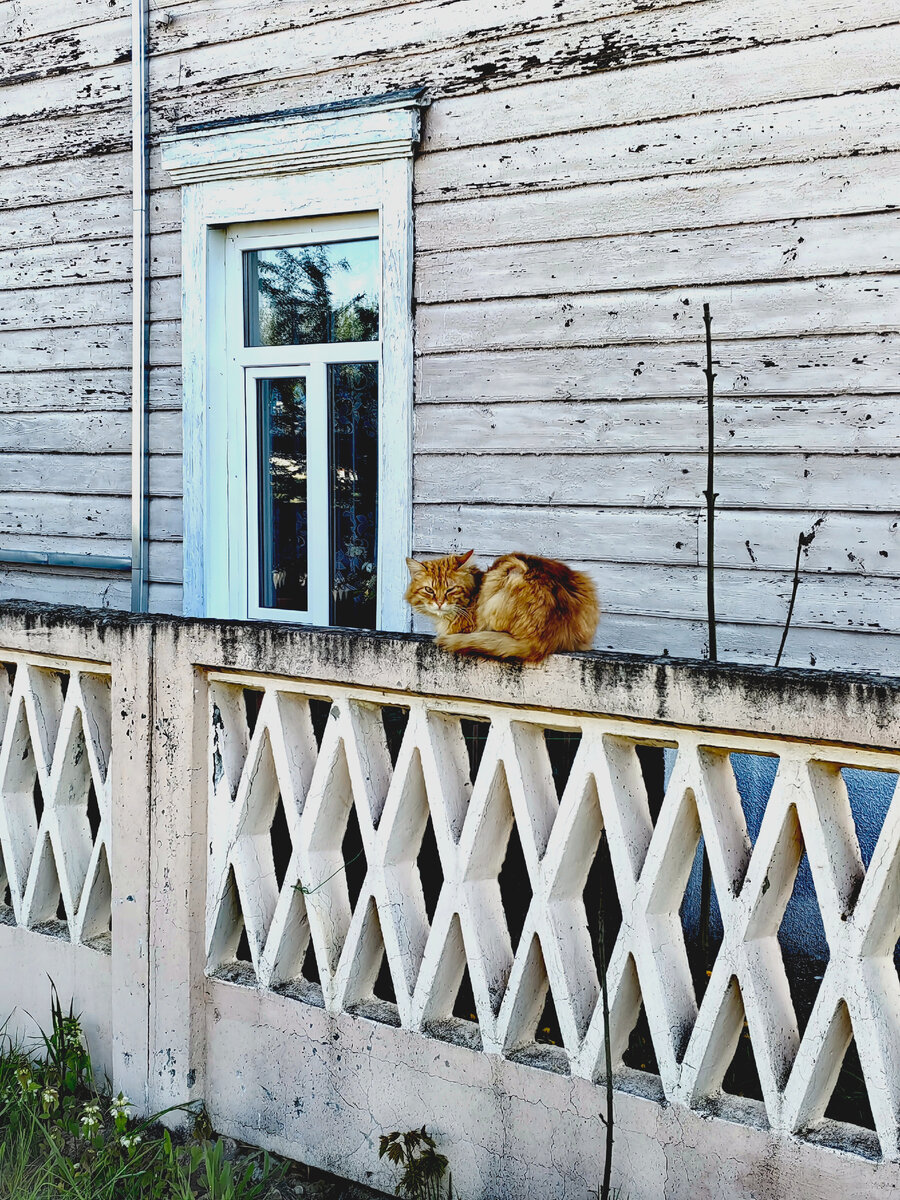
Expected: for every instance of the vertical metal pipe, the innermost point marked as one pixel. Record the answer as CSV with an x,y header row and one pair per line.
x,y
140,306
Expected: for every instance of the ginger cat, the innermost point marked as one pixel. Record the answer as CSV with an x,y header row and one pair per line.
x,y
522,607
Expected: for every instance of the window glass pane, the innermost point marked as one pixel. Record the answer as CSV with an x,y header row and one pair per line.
x,y
281,437
353,490
308,295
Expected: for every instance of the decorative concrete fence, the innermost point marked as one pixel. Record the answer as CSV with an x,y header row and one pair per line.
x,y
336,884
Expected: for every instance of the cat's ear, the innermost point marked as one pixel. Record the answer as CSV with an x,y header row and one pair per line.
x,y
463,558
415,568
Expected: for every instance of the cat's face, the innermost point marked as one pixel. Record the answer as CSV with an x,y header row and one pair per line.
x,y
442,587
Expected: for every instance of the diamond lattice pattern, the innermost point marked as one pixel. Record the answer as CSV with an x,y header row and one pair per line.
x,y
55,801
479,802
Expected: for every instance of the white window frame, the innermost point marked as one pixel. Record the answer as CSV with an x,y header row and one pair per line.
x,y
244,365
298,169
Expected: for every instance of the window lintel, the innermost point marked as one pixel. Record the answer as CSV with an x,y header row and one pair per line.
x,y
298,140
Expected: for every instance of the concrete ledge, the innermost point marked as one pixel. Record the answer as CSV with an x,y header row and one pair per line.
x,y
823,706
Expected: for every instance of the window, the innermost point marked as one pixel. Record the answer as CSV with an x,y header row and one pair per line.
x,y
297,364
302,320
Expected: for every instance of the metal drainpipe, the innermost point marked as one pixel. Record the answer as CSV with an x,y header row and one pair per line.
x,y
140,306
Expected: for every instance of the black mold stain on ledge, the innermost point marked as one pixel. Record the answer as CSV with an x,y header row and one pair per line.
x,y
594,673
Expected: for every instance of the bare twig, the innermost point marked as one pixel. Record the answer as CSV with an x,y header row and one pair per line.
x,y
709,493
607,1048
711,496
804,541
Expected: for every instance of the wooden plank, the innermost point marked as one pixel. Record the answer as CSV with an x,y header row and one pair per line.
x,y
793,131
851,482
165,562
863,544
101,347
620,535
87,433
95,589
66,306
45,515
53,137
749,425
825,648
104,92
40,520
166,519
865,304
471,48
74,305
794,190
85,390
165,343
852,61
86,474
165,598
868,242
55,265
103,390
105,217
664,536
63,349
21,19
85,304
862,364
51,183
165,387
101,546
70,51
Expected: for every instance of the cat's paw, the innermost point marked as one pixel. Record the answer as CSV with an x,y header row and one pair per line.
x,y
451,641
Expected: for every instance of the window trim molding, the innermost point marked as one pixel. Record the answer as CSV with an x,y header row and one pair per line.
x,y
320,164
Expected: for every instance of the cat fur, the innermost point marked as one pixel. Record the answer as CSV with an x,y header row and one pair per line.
x,y
523,607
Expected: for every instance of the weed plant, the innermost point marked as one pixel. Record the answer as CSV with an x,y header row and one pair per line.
x,y
60,1136
423,1171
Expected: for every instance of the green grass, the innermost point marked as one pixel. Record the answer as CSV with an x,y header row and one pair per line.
x,y
61,1136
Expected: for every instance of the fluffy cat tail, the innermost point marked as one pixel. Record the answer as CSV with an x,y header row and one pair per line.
x,y
491,643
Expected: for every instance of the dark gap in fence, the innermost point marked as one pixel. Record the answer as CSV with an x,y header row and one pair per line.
x,y
63,677
93,811
310,968
601,899
281,842
850,1100
464,1004
252,703
515,887
353,857
701,950
742,1076
38,797
319,712
804,946
640,1054
652,760
562,746
429,863
394,719
475,734
242,953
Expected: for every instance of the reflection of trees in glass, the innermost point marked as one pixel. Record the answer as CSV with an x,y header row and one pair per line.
x,y
283,460
354,490
297,304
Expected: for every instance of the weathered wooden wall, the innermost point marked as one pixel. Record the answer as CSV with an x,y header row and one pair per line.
x,y
591,172
65,293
